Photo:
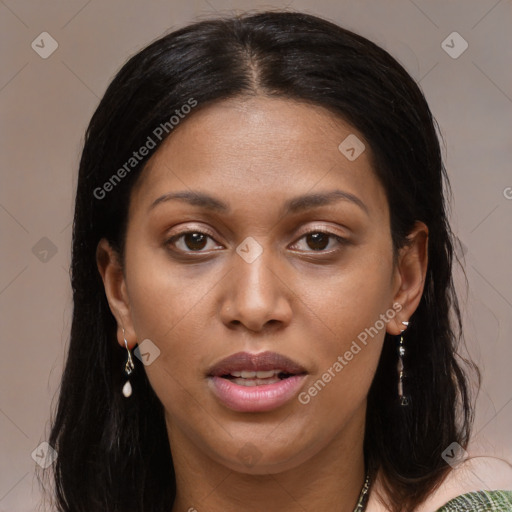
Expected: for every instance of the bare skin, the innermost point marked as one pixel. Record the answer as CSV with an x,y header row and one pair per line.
x,y
308,298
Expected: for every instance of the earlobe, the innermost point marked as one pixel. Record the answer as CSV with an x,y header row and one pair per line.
x,y
110,269
411,269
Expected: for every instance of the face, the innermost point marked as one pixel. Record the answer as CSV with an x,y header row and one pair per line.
x,y
290,254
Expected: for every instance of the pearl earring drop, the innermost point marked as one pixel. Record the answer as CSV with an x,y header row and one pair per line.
x,y
128,368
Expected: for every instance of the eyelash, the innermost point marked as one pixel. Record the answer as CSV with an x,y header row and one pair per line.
x,y
342,241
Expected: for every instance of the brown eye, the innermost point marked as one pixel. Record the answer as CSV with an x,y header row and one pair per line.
x,y
195,241
189,241
318,241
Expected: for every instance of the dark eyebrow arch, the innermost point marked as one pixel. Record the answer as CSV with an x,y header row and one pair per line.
x,y
195,199
305,202
294,205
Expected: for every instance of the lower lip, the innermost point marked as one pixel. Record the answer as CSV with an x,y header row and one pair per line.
x,y
255,398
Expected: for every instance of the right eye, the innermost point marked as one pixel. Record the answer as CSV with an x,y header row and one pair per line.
x,y
194,240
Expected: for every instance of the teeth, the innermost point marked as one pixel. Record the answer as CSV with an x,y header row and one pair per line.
x,y
255,382
256,375
250,378
267,374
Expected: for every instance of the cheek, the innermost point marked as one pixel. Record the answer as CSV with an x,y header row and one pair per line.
x,y
350,300
167,308
163,294
162,309
356,309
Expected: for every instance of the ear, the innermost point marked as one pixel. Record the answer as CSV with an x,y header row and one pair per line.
x,y
409,276
110,268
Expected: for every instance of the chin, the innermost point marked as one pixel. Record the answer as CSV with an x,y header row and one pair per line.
x,y
257,459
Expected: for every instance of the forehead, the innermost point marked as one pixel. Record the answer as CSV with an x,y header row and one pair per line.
x,y
260,148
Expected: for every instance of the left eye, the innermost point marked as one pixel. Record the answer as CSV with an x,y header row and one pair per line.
x,y
318,240
195,241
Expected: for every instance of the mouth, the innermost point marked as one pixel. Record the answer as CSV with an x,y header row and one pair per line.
x,y
247,382
248,369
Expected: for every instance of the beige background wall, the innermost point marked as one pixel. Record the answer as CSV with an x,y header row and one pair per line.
x,y
47,103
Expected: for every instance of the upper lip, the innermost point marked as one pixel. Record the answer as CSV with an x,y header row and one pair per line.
x,y
262,361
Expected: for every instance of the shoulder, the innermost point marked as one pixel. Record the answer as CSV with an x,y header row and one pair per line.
x,y
477,479
485,480
481,501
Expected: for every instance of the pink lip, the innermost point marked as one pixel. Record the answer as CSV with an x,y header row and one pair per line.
x,y
255,398
265,397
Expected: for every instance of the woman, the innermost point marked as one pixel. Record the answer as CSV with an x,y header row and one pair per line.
x,y
262,282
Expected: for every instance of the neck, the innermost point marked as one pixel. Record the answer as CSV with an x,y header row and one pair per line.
x,y
329,477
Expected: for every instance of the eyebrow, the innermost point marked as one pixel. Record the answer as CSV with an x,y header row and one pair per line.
x,y
294,205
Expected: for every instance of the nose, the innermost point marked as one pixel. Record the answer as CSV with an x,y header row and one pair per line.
x,y
257,296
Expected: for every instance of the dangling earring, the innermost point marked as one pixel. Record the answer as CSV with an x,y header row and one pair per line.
x,y
128,368
402,399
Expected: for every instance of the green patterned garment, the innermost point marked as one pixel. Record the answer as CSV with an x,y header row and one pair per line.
x,y
480,501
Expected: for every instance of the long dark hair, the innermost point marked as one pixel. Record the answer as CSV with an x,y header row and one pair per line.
x,y
113,453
